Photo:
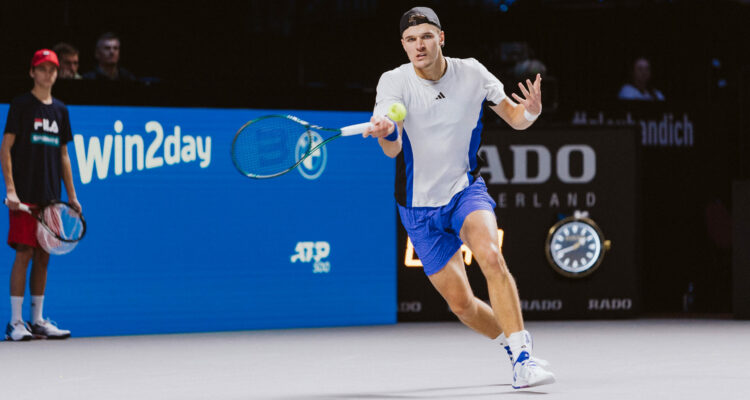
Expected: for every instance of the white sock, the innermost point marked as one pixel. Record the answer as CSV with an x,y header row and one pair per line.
x,y
16,308
37,304
519,342
500,339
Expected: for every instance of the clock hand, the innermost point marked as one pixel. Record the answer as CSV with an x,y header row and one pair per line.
x,y
568,249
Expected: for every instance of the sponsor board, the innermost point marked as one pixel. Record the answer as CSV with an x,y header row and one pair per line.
x,y
171,224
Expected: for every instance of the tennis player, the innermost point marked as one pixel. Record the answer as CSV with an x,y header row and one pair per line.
x,y
34,157
442,200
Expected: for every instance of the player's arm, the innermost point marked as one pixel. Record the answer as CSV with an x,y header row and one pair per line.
x,y
7,165
67,175
520,116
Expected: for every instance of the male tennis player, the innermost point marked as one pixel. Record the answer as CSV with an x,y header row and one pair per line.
x,y
442,200
34,158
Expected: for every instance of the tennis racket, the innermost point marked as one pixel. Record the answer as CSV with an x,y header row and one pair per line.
x,y
60,226
273,145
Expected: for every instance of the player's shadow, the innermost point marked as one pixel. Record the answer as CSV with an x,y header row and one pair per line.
x,y
453,392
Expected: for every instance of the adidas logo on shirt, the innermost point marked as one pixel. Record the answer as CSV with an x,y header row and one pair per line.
x,y
440,96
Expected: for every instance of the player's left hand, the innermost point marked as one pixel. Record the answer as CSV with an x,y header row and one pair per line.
x,y
76,205
532,93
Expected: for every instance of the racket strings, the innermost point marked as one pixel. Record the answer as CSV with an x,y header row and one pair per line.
x,y
61,228
270,146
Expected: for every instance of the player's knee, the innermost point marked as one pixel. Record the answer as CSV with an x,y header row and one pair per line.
x,y
462,306
493,263
24,254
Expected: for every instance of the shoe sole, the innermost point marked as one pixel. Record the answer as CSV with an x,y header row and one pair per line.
x,y
23,339
544,381
43,337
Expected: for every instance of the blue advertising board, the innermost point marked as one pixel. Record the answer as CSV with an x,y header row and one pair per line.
x,y
179,241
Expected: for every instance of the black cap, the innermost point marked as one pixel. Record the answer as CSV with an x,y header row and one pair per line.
x,y
417,16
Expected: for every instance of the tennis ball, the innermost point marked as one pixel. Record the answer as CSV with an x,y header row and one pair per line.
x,y
397,112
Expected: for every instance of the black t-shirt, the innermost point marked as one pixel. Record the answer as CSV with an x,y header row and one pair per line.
x,y
40,130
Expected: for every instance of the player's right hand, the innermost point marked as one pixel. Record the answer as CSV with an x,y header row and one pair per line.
x,y
12,200
381,127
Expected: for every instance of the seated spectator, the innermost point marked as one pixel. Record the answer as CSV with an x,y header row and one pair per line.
x,y
640,87
68,56
108,57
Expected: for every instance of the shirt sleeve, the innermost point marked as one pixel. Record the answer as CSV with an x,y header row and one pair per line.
x,y
66,134
388,92
13,123
493,86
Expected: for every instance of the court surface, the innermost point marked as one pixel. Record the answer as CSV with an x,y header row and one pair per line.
x,y
630,359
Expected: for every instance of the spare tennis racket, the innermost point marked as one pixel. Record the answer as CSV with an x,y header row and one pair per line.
x,y
60,226
273,145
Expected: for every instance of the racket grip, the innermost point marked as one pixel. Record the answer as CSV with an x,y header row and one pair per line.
x,y
357,129
21,206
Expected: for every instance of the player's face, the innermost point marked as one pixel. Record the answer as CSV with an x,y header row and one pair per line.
x,y
44,74
108,51
422,45
68,65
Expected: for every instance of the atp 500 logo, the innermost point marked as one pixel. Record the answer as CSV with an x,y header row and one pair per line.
x,y
313,252
314,165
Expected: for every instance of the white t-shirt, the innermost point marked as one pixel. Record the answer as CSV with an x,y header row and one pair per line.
x,y
442,128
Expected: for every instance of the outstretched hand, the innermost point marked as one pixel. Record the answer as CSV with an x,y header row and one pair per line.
x,y
532,93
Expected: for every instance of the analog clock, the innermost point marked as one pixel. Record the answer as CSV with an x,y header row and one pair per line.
x,y
575,247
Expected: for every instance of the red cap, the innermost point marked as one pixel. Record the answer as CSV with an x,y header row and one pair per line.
x,y
44,55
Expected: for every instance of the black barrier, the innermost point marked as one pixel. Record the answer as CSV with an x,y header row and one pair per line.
x,y
538,178
741,252
687,165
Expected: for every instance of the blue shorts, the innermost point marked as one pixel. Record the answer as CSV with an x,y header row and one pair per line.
x,y
434,231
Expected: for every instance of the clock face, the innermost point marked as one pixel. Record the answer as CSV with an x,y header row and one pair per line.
x,y
575,247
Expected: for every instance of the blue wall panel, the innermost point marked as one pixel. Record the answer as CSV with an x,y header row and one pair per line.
x,y
191,245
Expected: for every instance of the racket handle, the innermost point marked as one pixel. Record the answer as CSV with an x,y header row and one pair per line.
x,y
357,129
21,206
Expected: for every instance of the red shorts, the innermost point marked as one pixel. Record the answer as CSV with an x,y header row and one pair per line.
x,y
22,228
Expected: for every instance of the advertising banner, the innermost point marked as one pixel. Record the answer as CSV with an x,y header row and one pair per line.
x,y
179,241
540,179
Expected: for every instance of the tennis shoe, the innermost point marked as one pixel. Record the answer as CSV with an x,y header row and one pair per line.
x,y
47,329
17,331
542,363
527,373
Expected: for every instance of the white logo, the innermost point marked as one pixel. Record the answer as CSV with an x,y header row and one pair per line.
x,y
124,153
45,125
521,159
610,304
542,305
312,166
315,252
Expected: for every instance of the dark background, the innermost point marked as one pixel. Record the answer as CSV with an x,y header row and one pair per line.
x,y
329,54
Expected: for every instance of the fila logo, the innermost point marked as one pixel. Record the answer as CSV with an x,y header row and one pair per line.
x,y
45,125
440,96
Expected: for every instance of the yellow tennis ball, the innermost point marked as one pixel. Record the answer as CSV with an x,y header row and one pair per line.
x,y
397,112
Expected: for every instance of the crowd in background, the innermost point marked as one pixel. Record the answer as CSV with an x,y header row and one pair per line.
x,y
107,55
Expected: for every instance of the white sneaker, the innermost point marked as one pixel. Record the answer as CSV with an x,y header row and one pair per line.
x,y
527,373
542,363
17,331
47,329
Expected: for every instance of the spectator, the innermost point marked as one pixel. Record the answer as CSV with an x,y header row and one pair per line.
x,y
108,57
68,56
640,87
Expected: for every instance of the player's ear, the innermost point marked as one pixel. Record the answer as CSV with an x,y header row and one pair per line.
x,y
31,72
442,38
